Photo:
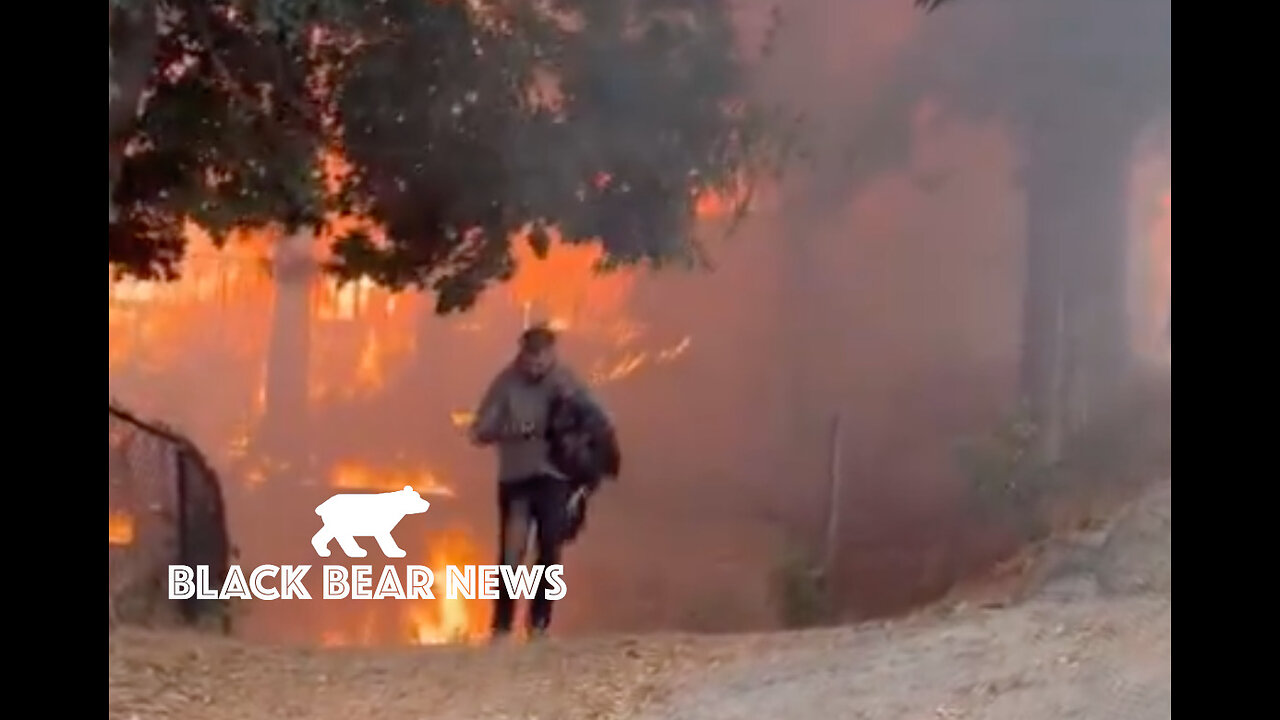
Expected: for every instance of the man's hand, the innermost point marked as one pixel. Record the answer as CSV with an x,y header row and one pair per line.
x,y
510,433
477,437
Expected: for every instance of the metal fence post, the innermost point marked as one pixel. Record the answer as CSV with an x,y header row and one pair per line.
x,y
181,479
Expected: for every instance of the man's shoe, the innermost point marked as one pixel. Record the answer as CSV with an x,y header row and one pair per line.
x,y
537,632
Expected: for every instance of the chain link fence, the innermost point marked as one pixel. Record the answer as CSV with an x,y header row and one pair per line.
x,y
165,508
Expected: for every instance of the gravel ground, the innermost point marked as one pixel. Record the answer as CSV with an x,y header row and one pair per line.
x,y
1096,647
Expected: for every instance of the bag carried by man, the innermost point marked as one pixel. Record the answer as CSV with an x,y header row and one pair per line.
x,y
584,447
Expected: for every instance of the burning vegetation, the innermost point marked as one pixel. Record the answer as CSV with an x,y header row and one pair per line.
x,y
512,126
549,159
438,621
361,346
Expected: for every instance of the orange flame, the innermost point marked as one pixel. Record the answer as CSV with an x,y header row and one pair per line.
x,y
564,288
712,204
219,314
437,621
445,620
630,363
119,528
1160,275
355,476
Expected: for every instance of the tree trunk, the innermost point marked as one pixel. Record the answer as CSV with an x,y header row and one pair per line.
x,y
1044,295
1075,355
1099,280
285,422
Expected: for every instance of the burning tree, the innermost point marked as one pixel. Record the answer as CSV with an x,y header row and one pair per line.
x,y
455,124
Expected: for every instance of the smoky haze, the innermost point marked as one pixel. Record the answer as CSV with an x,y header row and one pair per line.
x,y
881,280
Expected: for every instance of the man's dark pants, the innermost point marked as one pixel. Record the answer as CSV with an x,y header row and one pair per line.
x,y
536,503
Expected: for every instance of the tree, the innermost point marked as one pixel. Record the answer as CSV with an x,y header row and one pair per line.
x,y
461,122
1075,82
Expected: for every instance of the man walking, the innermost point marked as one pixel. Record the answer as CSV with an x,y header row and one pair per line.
x,y
533,493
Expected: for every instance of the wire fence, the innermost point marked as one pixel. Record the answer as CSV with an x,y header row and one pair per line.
x,y
165,508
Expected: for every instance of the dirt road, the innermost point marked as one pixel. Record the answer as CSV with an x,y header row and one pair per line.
x,y
1098,656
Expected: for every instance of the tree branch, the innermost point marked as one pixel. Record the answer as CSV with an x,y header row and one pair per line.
x,y
306,116
133,37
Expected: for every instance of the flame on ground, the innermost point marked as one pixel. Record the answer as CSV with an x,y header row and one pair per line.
x,y
444,620
119,528
356,476
436,621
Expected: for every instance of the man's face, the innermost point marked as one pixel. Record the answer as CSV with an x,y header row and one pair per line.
x,y
536,364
